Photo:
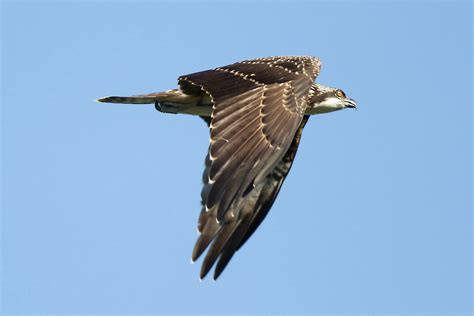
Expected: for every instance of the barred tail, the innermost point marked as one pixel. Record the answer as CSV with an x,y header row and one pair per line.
x,y
168,96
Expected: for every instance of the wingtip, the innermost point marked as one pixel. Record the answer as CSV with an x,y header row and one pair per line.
x,y
221,265
194,255
204,271
215,276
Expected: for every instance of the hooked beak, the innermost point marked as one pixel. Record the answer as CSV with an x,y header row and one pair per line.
x,y
349,103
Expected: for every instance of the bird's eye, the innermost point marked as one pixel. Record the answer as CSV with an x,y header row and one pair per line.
x,y
340,93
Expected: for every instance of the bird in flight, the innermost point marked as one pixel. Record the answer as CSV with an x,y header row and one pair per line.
x,y
256,111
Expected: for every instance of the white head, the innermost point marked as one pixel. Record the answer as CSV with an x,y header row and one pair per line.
x,y
324,99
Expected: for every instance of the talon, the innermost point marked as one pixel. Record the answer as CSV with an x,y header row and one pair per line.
x,y
158,106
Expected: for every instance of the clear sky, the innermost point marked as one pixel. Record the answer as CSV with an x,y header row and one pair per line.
x,y
100,201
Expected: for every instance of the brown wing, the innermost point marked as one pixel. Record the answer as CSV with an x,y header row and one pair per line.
x,y
273,183
258,107
259,207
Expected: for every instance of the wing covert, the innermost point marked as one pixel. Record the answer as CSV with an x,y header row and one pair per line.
x,y
258,107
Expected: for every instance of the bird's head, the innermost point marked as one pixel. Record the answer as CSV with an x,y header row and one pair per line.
x,y
324,99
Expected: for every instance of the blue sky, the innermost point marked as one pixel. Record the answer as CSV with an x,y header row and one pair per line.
x,y
100,202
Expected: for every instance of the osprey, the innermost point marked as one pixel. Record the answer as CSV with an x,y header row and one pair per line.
x,y
256,111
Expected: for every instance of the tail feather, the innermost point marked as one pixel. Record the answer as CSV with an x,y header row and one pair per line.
x,y
175,96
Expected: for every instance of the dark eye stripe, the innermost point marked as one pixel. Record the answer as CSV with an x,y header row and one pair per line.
x,y
340,93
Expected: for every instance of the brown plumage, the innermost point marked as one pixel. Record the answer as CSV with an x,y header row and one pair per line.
x,y
258,107
256,111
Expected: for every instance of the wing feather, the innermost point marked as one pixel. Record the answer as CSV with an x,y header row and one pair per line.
x,y
273,183
258,203
257,113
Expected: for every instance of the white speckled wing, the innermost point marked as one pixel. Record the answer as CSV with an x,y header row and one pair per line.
x,y
258,107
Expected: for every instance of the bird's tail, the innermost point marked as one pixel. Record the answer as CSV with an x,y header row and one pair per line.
x,y
167,96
